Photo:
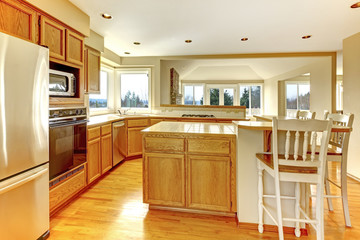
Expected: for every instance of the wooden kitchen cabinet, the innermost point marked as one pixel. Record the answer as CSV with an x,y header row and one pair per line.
x,y
92,70
106,148
99,150
165,179
94,159
208,177
18,20
52,35
135,141
74,48
208,183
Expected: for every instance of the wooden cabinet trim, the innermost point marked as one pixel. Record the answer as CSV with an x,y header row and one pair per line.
x,y
105,129
211,185
70,51
147,188
93,133
31,25
65,190
143,122
52,42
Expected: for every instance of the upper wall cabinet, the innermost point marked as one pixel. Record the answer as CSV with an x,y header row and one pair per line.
x,y
63,43
92,70
74,48
52,35
18,20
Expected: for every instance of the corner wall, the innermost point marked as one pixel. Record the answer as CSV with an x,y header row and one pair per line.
x,y
351,84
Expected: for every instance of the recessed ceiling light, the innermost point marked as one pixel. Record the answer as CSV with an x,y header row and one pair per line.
x,y
306,37
188,41
106,16
137,43
244,39
127,52
355,5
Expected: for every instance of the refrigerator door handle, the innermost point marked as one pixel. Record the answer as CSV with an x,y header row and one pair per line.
x,y
22,181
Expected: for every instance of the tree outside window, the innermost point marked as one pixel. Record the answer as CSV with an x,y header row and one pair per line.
x,y
250,97
134,90
297,97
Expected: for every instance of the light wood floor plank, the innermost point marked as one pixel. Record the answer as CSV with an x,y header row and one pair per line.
x,y
112,209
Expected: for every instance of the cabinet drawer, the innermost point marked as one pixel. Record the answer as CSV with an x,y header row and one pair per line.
x,y
67,189
164,144
212,146
154,121
138,122
106,129
93,133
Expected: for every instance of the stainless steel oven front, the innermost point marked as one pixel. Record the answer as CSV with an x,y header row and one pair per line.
x,y
67,139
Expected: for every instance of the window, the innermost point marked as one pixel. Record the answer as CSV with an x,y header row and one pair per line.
x,y
193,95
297,97
251,97
221,95
134,89
100,101
339,95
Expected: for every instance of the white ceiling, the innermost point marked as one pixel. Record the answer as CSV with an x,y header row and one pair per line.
x,y
216,26
237,69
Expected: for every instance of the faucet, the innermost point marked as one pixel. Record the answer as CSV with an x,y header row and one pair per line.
x,y
126,110
119,112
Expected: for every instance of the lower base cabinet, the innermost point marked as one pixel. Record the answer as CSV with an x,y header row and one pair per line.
x,y
208,183
165,179
189,172
93,159
66,189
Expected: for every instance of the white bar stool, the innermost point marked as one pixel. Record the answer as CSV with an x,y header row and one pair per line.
x,y
305,115
288,164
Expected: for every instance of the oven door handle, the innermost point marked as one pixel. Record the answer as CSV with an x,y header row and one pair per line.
x,y
67,124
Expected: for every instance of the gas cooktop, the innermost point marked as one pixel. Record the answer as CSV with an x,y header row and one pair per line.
x,y
198,115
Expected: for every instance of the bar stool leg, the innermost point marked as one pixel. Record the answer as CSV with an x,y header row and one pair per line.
x,y
297,209
319,212
278,207
260,199
344,192
327,188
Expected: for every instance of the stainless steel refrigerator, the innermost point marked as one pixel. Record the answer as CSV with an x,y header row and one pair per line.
x,y
24,139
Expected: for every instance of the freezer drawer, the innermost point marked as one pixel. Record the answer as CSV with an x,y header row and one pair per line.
x,y
24,205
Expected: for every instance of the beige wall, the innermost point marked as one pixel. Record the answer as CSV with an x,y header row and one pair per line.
x,y
66,12
110,58
351,83
320,87
95,40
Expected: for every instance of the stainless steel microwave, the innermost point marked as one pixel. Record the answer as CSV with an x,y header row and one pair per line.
x,y
61,83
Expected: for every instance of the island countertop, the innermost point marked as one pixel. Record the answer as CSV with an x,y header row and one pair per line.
x,y
192,128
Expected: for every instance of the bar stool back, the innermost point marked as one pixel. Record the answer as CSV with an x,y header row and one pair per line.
x,y
304,115
292,163
338,152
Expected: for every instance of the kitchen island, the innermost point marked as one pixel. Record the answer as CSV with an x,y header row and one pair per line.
x,y
190,166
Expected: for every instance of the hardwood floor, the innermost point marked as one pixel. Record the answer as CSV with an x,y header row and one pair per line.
x,y
113,209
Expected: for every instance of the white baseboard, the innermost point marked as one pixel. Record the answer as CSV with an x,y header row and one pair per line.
x,y
353,177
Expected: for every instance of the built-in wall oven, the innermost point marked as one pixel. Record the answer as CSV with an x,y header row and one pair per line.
x,y
67,143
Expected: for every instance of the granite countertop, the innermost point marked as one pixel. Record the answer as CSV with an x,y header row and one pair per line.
x,y
192,128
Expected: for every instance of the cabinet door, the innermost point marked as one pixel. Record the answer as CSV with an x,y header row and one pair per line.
x,y
164,179
52,35
106,153
208,183
134,141
74,48
92,70
93,159
18,20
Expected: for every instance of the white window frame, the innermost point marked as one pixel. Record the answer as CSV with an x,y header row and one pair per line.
x,y
339,95
221,92
193,85
110,93
117,87
261,95
297,93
